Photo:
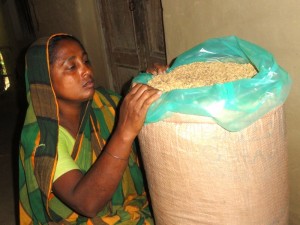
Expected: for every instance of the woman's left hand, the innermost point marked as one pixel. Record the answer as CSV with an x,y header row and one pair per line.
x,y
157,68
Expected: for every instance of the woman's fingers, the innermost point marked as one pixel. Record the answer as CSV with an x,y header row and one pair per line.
x,y
157,68
137,90
135,106
141,97
145,97
161,69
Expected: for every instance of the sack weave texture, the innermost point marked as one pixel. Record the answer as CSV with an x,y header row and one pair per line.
x,y
200,173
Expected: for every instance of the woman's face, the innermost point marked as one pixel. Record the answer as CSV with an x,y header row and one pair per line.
x,y
71,73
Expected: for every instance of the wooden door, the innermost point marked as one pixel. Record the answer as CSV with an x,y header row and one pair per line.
x,y
135,37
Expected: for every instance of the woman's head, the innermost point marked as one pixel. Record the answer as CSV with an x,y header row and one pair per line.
x,y
70,70
53,44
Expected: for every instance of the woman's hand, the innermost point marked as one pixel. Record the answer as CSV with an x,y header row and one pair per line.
x,y
157,69
134,109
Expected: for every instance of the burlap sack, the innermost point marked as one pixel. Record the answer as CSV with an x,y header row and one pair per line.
x,y
199,173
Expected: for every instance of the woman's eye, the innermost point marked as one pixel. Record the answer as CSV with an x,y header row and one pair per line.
x,y
71,67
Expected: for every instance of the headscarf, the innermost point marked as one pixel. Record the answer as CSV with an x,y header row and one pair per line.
x,y
38,152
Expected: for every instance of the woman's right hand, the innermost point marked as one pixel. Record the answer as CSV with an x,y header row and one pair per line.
x,y
134,109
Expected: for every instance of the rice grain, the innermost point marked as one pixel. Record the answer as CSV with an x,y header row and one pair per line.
x,y
201,74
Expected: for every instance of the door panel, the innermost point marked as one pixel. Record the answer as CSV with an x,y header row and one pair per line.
x,y
121,45
125,76
134,35
121,30
155,32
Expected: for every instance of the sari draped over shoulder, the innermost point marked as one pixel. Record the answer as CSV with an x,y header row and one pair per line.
x,y
38,153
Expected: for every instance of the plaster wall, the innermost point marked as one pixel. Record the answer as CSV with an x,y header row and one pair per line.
x,y
271,24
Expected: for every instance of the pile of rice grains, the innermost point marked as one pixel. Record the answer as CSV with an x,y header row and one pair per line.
x,y
200,74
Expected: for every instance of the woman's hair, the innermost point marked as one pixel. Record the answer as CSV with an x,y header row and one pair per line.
x,y
55,40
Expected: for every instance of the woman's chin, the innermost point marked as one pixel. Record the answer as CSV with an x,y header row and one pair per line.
x,y
90,95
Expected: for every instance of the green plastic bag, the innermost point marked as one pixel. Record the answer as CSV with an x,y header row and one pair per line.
x,y
233,105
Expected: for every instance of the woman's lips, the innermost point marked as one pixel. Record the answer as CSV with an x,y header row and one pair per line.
x,y
89,84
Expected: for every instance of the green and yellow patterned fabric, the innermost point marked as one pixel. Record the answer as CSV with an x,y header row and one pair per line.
x,y
38,153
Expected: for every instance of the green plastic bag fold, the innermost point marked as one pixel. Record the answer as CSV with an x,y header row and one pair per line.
x,y
233,105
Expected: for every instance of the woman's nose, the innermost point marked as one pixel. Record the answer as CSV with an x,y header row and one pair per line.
x,y
86,70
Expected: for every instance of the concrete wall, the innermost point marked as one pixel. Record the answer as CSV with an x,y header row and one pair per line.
x,y
272,24
81,19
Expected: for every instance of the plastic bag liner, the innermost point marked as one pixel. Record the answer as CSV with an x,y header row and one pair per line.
x,y
232,105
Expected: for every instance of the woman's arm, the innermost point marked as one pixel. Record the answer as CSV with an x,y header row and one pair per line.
x,y
88,194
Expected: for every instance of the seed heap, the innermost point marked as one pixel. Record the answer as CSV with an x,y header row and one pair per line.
x,y
200,74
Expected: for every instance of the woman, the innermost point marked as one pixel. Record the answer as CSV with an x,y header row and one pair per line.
x,y
77,164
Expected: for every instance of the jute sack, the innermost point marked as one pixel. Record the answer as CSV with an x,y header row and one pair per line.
x,y
199,173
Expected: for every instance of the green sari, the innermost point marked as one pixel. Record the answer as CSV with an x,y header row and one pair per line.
x,y
38,153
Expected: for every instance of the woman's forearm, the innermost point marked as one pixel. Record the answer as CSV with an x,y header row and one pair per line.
x,y
88,194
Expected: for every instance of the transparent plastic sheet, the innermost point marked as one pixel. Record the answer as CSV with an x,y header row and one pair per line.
x,y
233,105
